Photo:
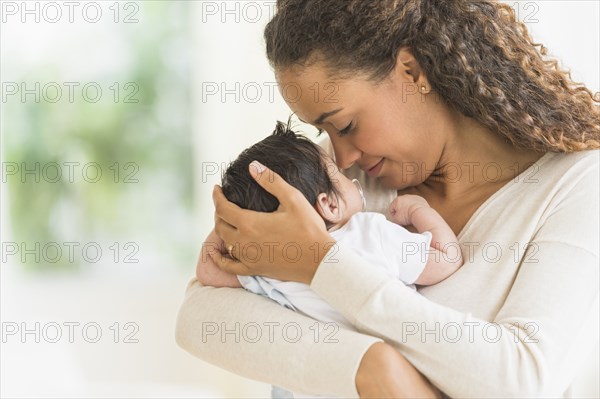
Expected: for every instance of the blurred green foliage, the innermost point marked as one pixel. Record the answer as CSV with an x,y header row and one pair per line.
x,y
142,146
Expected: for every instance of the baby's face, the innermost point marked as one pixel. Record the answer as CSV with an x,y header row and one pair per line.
x,y
351,198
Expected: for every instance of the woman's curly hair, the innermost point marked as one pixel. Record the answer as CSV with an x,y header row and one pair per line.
x,y
476,55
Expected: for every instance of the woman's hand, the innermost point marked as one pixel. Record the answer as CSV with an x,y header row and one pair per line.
x,y
207,272
385,373
288,244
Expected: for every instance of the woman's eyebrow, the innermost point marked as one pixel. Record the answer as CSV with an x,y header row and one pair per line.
x,y
323,116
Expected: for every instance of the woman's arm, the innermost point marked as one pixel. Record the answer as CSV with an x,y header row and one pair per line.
x,y
528,350
390,368
255,337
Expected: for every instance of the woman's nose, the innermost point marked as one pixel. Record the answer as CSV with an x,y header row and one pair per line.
x,y
345,153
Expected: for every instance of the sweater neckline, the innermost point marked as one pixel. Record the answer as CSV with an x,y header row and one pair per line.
x,y
511,183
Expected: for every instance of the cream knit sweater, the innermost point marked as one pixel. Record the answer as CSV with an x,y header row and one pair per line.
x,y
519,319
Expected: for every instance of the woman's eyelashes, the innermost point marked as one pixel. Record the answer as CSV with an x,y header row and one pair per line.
x,y
342,132
346,130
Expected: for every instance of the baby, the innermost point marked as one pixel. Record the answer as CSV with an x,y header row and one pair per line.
x,y
422,258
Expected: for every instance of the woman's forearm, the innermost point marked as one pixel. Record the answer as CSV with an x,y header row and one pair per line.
x,y
254,337
520,355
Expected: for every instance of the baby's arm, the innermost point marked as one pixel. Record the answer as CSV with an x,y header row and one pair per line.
x,y
207,272
445,256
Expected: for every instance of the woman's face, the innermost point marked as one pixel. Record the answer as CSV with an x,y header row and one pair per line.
x,y
389,129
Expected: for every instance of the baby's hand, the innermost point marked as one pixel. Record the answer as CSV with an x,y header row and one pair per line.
x,y
403,206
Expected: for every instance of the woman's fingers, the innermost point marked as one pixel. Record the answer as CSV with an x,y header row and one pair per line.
x,y
229,264
228,211
274,184
226,232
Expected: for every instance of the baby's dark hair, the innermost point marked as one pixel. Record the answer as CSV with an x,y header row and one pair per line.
x,y
295,158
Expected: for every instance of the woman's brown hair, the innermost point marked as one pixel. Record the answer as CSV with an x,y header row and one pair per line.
x,y
476,55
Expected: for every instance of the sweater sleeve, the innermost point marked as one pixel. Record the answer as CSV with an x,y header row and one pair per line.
x,y
531,348
254,337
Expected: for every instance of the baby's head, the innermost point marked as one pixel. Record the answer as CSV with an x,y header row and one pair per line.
x,y
303,165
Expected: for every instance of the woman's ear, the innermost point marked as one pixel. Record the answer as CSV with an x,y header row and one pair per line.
x,y
408,70
327,207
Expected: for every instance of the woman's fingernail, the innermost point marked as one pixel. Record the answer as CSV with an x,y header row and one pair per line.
x,y
257,166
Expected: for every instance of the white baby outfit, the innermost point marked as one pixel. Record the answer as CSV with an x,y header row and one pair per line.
x,y
379,242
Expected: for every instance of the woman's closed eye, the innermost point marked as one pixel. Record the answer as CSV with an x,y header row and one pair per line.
x,y
346,130
342,132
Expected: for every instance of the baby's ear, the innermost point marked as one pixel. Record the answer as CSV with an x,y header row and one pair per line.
x,y
328,208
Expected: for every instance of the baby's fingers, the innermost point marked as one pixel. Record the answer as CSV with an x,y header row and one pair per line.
x,y
398,212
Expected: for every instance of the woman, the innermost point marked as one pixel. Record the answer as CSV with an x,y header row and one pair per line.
x,y
453,102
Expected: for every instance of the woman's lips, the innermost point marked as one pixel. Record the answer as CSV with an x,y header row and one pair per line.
x,y
374,171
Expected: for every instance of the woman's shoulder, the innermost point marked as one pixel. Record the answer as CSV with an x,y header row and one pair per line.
x,y
554,198
555,177
570,169
569,208
581,160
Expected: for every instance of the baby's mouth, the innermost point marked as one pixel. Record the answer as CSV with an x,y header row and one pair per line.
x,y
362,194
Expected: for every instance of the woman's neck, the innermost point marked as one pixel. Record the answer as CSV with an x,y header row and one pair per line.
x,y
476,160
474,164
